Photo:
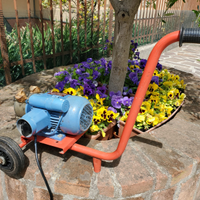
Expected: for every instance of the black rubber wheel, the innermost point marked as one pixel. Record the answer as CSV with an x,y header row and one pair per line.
x,y
12,160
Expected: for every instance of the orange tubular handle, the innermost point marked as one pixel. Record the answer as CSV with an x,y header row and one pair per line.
x,y
137,102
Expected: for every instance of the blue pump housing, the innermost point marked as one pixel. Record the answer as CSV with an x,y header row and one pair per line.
x,y
54,116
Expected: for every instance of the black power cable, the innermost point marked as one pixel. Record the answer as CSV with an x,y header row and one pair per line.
x,y
41,171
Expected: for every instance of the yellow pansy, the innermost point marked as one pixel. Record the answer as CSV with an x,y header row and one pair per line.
x,y
80,90
161,116
154,99
96,119
168,84
94,128
70,91
155,73
132,67
169,110
146,104
178,102
111,115
151,111
150,120
155,94
176,77
102,112
170,94
182,96
140,118
137,66
55,90
99,100
164,97
182,84
103,133
143,110
156,121
125,116
152,87
85,97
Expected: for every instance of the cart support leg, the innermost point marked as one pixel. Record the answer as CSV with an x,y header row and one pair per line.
x,y
97,164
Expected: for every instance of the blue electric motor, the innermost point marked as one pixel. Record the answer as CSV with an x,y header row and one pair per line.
x,y
54,116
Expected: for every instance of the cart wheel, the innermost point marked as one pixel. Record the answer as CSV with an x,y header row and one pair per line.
x,y
12,160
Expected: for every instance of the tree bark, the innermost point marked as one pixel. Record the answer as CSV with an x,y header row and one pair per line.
x,y
124,16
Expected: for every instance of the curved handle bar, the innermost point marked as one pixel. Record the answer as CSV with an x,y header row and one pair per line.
x,y
189,35
137,102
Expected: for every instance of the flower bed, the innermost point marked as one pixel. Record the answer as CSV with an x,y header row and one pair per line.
x,y
89,79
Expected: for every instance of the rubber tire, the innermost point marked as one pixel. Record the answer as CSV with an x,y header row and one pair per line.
x,y
15,153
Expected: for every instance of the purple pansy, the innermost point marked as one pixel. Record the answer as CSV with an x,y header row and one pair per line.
x,y
95,74
66,79
137,70
102,89
159,66
89,60
79,71
102,95
76,66
112,109
105,47
97,62
74,83
126,101
87,90
115,93
58,73
116,101
83,76
60,86
103,62
134,78
143,63
110,64
155,79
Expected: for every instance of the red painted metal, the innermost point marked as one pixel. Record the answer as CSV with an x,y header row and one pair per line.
x,y
69,141
97,164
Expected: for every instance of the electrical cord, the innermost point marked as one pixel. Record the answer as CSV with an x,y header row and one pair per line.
x,y
41,171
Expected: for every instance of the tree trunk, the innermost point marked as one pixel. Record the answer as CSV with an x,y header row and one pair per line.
x,y
124,16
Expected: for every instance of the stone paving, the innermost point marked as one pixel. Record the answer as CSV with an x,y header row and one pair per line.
x,y
161,165
185,58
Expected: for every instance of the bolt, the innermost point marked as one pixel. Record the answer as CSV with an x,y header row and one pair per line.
x,y
2,160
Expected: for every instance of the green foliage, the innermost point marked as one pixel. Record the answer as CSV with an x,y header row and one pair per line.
x,y
197,13
79,49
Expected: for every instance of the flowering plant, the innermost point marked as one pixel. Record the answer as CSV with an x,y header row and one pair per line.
x,y
90,80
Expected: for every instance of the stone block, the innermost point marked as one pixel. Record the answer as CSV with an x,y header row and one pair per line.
x,y
1,189
64,187
50,163
15,189
176,165
164,195
44,195
188,188
160,178
131,174
105,184
74,176
197,197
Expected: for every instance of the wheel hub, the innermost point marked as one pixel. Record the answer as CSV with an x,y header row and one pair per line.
x,y
2,160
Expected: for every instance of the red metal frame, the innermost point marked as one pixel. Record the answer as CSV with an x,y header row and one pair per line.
x,y
70,141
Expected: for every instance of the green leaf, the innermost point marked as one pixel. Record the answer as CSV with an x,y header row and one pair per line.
x,y
163,21
168,14
154,5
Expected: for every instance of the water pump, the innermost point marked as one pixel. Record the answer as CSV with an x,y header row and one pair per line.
x,y
54,116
